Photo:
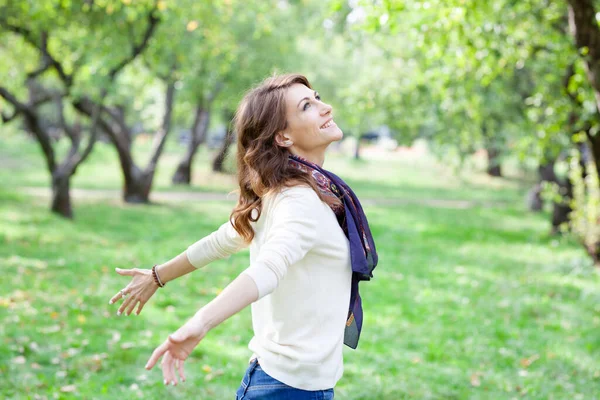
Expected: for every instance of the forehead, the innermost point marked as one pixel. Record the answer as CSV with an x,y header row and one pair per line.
x,y
297,92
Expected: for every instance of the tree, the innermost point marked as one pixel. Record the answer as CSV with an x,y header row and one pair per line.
x,y
53,34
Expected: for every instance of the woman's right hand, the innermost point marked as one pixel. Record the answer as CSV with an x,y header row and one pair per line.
x,y
139,290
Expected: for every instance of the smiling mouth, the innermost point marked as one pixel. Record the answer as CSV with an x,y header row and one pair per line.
x,y
327,124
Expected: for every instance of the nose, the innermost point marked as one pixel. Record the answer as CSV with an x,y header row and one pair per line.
x,y
326,109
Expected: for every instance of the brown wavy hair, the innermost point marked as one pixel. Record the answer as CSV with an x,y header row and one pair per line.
x,y
262,165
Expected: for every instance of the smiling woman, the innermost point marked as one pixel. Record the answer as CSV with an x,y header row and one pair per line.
x,y
310,245
310,124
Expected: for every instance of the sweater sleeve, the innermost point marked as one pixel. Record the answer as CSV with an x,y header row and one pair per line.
x,y
222,243
291,235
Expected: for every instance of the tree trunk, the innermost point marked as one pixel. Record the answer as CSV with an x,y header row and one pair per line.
x,y
546,174
61,197
137,187
219,160
183,173
494,168
492,150
562,209
357,148
535,202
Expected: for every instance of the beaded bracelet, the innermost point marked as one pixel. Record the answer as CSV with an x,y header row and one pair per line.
x,y
156,277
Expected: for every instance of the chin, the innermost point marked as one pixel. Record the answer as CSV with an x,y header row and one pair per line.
x,y
339,136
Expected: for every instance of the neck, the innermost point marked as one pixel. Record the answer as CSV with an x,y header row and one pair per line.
x,y
315,156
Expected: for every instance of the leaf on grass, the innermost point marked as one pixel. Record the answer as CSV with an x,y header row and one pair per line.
x,y
115,337
68,388
212,375
526,362
127,345
475,381
81,318
54,315
70,352
19,360
35,366
206,368
191,26
100,356
50,329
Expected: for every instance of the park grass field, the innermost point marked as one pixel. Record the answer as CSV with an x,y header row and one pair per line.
x,y
471,301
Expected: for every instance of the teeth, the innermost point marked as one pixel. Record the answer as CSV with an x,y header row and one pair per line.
x,y
327,125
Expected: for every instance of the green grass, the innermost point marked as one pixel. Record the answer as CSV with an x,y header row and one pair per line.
x,y
476,303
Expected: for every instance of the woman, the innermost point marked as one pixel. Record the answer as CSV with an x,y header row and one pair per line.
x,y
310,245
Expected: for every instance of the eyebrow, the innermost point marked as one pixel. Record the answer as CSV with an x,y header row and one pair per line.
x,y
307,98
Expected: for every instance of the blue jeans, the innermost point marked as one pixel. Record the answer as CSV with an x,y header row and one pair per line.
x,y
257,385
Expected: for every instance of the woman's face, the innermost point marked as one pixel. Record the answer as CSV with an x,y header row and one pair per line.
x,y
310,121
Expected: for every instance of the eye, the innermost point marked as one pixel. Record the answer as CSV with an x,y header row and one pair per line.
x,y
306,105
318,97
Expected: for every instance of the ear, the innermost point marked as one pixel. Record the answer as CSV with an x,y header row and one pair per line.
x,y
282,140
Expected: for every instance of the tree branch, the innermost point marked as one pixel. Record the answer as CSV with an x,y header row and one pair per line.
x,y
7,118
33,123
137,48
76,161
71,132
161,135
42,46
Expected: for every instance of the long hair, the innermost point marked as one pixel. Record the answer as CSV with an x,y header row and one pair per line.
x,y
262,165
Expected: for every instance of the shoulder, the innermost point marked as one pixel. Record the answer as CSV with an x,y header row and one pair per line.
x,y
298,191
301,195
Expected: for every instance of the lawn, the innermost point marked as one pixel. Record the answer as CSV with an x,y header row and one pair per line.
x,y
466,303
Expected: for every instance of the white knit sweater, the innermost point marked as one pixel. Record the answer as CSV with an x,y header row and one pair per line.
x,y
300,261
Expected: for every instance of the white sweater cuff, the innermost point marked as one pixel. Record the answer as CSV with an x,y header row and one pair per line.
x,y
265,279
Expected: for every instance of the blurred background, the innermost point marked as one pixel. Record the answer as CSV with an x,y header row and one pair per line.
x,y
470,136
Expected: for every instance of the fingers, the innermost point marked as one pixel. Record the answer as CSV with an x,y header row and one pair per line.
x,y
118,296
168,369
174,380
158,352
168,364
126,303
179,364
139,310
131,305
126,272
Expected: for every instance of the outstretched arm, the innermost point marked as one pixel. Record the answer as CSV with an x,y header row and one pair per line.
x,y
220,244
178,346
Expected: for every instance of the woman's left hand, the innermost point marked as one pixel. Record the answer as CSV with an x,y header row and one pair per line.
x,y
176,349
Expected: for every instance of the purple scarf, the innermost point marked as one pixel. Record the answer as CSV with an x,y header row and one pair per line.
x,y
353,222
